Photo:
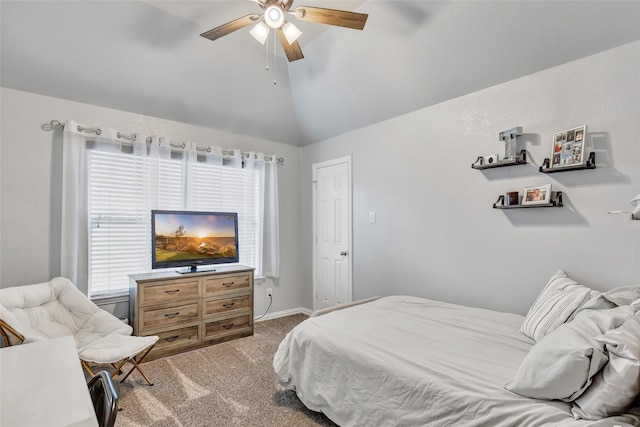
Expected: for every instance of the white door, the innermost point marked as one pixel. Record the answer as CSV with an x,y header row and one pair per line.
x,y
332,233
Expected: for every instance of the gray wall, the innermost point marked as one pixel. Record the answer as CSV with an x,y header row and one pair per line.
x,y
437,235
30,191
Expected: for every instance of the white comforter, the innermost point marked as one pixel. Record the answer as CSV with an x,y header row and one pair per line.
x,y
409,361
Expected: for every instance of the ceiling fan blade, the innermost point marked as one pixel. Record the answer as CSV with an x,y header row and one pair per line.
x,y
292,50
230,27
340,18
288,4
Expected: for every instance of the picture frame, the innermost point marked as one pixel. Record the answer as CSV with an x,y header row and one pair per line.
x,y
568,147
537,195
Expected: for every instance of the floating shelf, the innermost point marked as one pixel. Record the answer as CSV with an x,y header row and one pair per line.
x,y
520,160
556,202
589,164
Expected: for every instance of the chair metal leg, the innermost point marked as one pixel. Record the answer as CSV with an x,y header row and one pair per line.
x,y
117,367
85,365
137,366
118,370
5,330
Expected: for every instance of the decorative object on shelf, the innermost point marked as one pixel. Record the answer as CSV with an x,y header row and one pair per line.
x,y
510,142
555,201
589,164
511,154
568,147
512,198
635,202
482,163
493,158
537,195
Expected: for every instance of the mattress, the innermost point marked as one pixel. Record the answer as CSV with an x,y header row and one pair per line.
x,y
408,361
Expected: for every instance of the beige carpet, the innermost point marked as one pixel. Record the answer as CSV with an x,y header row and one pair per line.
x,y
228,384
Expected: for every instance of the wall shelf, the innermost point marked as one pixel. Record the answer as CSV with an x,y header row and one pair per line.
x,y
521,159
555,202
589,164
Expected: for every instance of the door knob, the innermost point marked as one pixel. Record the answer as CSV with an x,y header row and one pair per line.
x,y
343,253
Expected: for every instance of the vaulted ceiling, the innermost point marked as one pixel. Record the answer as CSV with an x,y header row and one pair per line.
x,y
147,57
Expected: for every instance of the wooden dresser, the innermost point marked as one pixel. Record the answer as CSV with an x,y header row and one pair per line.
x,y
191,310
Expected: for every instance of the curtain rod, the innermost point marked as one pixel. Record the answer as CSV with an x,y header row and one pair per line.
x,y
132,137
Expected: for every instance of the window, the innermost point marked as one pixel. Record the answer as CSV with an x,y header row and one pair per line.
x,y
228,189
119,227
122,190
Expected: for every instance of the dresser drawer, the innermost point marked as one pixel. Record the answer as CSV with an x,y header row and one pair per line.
x,y
229,305
151,318
220,328
176,290
227,284
178,337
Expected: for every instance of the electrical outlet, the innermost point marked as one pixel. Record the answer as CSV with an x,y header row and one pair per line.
x,y
269,292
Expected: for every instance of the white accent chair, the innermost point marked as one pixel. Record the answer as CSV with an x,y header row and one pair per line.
x,y
57,308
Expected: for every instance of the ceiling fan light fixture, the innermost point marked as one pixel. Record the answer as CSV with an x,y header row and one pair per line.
x,y
260,32
291,32
274,16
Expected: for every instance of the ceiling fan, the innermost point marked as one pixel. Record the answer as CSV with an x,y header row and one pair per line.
x,y
273,17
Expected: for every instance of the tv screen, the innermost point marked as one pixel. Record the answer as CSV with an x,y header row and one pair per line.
x,y
190,239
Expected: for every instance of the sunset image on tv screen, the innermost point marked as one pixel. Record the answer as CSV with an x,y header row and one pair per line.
x,y
188,236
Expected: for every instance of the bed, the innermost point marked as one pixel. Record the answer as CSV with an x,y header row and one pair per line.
x,y
409,361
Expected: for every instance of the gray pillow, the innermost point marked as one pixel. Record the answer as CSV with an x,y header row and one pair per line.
x,y
562,365
616,386
559,299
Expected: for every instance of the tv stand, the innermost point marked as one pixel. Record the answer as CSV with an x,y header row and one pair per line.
x,y
188,310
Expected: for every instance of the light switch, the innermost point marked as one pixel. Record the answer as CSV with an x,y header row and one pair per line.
x,y
372,217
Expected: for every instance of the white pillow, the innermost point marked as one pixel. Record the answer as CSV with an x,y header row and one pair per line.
x,y
561,366
624,295
555,304
616,386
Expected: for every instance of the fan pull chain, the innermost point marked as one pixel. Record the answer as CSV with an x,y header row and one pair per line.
x,y
275,58
266,53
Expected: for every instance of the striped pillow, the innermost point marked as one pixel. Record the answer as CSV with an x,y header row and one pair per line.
x,y
555,304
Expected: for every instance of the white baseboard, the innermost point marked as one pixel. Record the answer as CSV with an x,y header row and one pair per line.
x,y
289,312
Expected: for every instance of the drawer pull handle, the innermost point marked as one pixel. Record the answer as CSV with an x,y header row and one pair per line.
x,y
228,326
172,339
172,315
227,284
231,304
172,292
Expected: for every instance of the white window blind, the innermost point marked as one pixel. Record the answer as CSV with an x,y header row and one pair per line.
x,y
226,189
119,228
123,189
168,183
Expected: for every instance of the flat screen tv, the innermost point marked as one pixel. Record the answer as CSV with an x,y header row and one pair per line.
x,y
191,239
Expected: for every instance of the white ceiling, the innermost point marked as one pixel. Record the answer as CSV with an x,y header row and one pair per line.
x,y
147,57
